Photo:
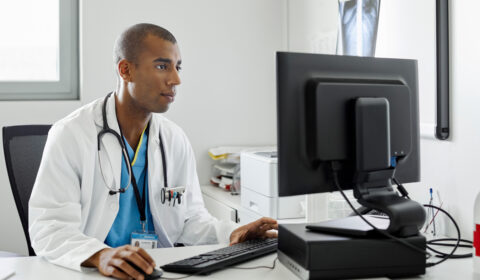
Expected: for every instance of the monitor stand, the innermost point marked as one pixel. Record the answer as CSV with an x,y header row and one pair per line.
x,y
352,226
404,217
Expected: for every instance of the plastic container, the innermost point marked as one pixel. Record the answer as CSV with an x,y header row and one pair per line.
x,y
476,235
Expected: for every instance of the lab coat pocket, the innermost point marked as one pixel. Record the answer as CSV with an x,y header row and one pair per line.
x,y
173,218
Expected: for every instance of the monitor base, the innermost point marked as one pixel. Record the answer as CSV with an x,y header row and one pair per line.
x,y
352,226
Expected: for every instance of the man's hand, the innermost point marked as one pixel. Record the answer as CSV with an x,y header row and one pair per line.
x,y
258,229
117,262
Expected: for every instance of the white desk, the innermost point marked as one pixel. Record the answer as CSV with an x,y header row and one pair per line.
x,y
38,268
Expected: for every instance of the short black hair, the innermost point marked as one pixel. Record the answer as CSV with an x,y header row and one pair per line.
x,y
130,43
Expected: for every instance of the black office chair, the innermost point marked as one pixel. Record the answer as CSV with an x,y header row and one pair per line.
x,y
23,148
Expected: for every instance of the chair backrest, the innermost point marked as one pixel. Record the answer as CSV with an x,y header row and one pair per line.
x,y
23,148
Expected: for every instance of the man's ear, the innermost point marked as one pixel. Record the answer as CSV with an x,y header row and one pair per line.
x,y
124,70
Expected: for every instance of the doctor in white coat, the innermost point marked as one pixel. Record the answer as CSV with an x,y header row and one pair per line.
x,y
76,199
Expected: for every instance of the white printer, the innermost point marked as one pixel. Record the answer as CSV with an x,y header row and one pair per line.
x,y
259,187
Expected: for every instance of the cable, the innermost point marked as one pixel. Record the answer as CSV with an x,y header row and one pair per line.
x,y
383,232
436,242
401,188
365,210
404,193
446,257
433,218
255,267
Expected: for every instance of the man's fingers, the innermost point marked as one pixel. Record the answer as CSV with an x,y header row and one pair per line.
x,y
266,227
126,268
271,234
252,230
137,260
267,220
239,236
234,241
143,253
264,220
117,273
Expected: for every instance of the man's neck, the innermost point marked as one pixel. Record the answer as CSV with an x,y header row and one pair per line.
x,y
131,120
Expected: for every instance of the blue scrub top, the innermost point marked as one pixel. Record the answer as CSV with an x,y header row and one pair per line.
x,y
128,216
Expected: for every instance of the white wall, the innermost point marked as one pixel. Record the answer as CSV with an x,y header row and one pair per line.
x,y
406,32
312,26
448,166
457,160
228,91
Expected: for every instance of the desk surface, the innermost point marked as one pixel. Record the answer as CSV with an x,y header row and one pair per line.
x,y
38,268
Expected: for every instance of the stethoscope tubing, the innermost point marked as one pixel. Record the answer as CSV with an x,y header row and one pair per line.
x,y
105,130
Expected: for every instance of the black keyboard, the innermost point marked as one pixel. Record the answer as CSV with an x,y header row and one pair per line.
x,y
218,259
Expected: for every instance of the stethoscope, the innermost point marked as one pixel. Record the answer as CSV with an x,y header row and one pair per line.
x,y
167,194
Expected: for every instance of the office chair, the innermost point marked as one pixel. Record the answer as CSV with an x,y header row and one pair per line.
x,y
23,148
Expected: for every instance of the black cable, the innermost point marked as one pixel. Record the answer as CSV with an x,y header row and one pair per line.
x,y
449,245
255,267
404,193
365,210
446,257
440,242
469,244
450,239
442,255
383,232
401,188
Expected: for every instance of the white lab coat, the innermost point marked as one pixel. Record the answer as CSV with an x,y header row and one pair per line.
x,y
70,209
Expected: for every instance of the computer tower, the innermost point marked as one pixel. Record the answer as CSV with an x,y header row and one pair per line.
x,y
313,255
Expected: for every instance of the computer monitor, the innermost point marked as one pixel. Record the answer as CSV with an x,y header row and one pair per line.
x,y
351,118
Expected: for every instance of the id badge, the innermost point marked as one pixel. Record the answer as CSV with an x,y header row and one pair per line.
x,y
144,240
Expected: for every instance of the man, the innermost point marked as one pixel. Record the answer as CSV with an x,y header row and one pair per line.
x,y
105,166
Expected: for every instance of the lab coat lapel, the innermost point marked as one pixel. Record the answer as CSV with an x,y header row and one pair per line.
x,y
110,149
155,179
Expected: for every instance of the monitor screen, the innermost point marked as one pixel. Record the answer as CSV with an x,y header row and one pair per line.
x,y
316,97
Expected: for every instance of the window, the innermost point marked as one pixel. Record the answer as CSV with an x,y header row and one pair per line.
x,y
39,50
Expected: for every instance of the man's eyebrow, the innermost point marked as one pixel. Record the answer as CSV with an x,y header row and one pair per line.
x,y
161,59
167,60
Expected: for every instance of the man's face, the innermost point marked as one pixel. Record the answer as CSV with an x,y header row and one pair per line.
x,y
155,75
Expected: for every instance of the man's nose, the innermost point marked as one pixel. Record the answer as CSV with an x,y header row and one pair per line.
x,y
174,78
